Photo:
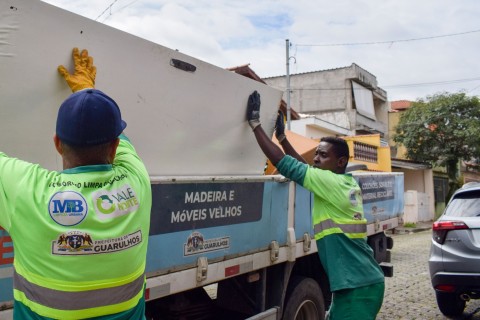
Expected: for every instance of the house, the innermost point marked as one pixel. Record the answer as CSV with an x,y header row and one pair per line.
x,y
425,188
347,100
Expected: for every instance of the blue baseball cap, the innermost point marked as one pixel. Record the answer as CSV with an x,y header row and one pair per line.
x,y
89,117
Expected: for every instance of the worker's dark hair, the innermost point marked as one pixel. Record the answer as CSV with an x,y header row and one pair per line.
x,y
339,146
88,155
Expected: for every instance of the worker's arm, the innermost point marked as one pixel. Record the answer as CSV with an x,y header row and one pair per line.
x,y
269,148
84,74
282,138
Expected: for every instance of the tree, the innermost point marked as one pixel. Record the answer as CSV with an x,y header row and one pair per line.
x,y
441,130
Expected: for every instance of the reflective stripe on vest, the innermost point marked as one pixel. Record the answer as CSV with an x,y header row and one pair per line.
x,y
359,228
77,300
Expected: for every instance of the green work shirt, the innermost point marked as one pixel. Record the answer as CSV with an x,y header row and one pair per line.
x,y
78,230
348,262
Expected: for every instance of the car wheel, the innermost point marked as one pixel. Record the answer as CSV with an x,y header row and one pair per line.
x,y
304,300
450,304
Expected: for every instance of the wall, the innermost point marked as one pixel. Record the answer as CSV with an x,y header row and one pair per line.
x,y
422,203
328,94
393,118
417,207
314,127
312,92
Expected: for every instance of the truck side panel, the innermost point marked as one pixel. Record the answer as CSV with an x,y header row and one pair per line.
x,y
303,211
181,232
383,199
6,267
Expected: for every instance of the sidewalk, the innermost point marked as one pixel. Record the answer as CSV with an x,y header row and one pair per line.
x,y
419,226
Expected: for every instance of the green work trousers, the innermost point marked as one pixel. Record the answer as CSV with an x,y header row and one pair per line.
x,y
361,303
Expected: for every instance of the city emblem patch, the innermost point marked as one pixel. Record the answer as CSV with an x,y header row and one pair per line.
x,y
72,242
196,243
81,243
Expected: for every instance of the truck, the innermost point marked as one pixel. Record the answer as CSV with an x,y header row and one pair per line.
x,y
226,240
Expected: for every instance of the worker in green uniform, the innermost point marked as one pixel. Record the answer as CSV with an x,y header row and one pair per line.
x,y
356,279
79,235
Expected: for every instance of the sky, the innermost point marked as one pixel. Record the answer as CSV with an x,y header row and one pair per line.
x,y
415,48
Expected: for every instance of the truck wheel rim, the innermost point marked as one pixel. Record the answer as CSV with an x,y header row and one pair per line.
x,y
306,311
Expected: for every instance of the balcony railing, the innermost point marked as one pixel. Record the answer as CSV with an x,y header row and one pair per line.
x,y
365,152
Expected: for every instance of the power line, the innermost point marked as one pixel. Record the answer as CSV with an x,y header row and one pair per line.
x,y
108,8
431,83
398,85
384,42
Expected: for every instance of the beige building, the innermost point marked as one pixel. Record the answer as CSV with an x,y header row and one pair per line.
x,y
425,187
346,99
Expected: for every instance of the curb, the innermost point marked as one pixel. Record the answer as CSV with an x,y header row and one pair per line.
x,y
402,230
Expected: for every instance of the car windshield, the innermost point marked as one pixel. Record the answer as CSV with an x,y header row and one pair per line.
x,y
466,204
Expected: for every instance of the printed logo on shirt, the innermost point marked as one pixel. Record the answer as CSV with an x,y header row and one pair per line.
x,y
67,208
355,196
115,203
81,243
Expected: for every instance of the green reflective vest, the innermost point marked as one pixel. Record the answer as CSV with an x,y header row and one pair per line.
x,y
337,207
80,236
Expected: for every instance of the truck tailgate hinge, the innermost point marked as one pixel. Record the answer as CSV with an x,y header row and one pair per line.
x,y
307,242
274,251
202,268
292,245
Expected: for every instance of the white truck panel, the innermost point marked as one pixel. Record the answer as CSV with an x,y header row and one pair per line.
x,y
182,123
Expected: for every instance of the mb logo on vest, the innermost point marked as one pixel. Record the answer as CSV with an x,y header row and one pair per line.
x,y
67,208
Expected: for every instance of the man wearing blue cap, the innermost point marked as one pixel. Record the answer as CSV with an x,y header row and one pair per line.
x,y
80,235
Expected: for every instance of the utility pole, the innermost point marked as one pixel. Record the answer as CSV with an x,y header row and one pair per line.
x,y
288,84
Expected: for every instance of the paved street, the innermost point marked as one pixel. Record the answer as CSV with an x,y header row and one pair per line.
x,y
409,294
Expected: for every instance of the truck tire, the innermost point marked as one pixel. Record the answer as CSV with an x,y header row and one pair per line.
x,y
450,304
304,300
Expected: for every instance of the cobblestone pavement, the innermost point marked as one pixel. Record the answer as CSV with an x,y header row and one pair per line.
x,y
409,294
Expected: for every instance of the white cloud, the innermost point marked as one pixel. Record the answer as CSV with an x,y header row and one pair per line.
x,y
228,33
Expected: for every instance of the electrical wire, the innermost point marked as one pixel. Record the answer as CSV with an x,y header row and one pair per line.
x,y
431,83
397,85
109,7
388,41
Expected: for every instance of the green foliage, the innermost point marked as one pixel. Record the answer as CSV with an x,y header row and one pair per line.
x,y
441,130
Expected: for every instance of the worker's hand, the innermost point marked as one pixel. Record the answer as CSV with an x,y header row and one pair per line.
x,y
253,110
85,71
280,127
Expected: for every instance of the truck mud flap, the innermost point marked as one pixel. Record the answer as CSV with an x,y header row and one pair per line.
x,y
387,269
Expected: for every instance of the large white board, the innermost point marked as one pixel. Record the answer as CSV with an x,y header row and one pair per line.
x,y
181,123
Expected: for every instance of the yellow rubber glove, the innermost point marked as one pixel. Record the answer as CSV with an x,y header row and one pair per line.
x,y
85,71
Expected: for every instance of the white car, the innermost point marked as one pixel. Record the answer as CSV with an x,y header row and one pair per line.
x,y
454,261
